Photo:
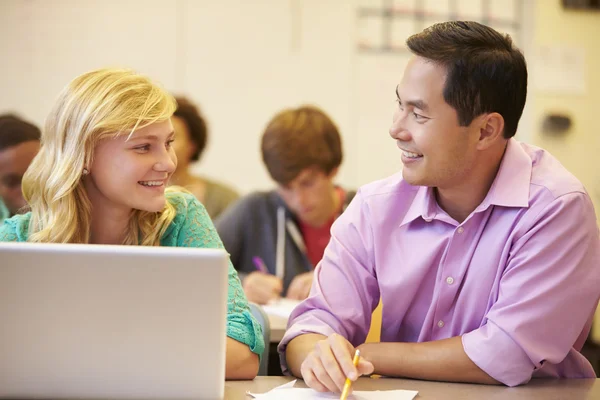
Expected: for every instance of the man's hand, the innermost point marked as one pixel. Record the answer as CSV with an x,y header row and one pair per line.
x,y
261,288
300,286
327,366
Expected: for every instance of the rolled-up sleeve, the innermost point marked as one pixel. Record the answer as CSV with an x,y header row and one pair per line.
x,y
241,324
548,292
197,230
344,291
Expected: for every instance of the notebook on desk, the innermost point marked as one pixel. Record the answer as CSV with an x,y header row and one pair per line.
x,y
87,321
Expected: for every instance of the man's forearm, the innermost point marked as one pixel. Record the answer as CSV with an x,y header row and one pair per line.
x,y
297,350
440,360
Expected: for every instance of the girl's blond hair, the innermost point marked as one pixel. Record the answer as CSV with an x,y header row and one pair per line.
x,y
94,106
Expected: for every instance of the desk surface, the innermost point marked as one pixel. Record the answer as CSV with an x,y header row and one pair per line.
x,y
278,325
559,389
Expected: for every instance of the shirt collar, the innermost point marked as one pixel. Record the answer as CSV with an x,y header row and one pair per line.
x,y
509,189
511,185
424,205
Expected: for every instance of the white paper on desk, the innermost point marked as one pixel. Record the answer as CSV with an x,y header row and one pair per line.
x,y
281,308
288,392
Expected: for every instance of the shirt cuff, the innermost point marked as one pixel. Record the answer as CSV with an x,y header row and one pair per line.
x,y
498,355
298,329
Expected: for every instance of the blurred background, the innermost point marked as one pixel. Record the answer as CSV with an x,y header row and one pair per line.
x,y
242,61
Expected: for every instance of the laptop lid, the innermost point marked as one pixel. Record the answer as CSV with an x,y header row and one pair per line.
x,y
99,321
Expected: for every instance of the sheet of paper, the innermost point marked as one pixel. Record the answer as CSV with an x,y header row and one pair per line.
x,y
282,307
289,392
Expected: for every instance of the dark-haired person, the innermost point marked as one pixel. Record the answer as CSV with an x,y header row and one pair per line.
x,y
191,136
484,250
287,229
19,144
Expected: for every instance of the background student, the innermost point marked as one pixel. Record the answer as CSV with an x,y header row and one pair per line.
x,y
19,144
284,231
100,178
191,136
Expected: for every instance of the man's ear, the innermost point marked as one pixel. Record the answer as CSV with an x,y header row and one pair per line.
x,y
491,129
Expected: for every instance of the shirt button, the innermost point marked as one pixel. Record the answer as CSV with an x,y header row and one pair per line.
x,y
427,219
461,229
449,280
441,324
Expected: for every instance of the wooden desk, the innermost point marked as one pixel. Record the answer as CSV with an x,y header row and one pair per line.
x,y
542,389
278,325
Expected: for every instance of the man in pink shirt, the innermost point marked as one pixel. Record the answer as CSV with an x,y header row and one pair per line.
x,y
485,251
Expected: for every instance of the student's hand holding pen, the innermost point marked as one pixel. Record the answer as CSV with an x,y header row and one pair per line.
x,y
260,286
300,286
326,368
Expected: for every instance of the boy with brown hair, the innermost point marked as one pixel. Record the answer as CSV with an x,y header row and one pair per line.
x,y
276,238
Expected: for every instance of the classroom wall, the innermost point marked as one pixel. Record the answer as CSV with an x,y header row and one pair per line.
x,y
241,61
579,149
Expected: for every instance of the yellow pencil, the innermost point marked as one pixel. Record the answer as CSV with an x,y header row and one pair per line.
x,y
348,381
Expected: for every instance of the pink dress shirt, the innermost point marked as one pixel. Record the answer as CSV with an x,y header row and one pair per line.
x,y
519,279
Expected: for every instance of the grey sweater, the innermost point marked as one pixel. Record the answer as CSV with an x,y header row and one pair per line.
x,y
260,225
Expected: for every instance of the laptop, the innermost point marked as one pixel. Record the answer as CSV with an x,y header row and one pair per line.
x,y
108,322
